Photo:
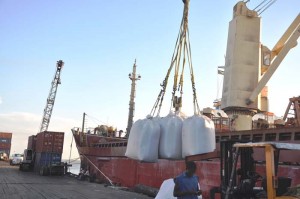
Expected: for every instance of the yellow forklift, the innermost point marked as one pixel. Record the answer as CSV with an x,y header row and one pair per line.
x,y
239,178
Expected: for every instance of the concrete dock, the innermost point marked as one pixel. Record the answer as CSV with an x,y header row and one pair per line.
x,y
15,184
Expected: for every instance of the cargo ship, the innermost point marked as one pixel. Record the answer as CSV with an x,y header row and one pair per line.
x,y
241,114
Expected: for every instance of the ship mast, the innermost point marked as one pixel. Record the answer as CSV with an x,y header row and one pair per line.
x,y
133,77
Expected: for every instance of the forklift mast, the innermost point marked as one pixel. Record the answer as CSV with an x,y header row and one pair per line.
x,y
229,162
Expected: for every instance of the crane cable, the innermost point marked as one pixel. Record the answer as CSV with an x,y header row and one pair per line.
x,y
178,86
161,94
182,47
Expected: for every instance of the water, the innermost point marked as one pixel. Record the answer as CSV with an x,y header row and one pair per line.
x,y
75,168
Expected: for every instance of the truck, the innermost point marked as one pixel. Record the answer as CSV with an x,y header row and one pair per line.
x,y
28,160
43,154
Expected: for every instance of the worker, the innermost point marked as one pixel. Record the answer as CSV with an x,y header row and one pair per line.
x,y
187,183
87,174
66,168
81,174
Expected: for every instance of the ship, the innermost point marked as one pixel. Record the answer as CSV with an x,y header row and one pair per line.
x,y
241,114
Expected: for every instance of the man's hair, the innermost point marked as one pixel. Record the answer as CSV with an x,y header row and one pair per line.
x,y
190,165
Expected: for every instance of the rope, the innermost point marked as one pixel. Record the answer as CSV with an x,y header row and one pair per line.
x,y
181,56
267,7
162,92
71,148
95,120
73,160
195,100
107,178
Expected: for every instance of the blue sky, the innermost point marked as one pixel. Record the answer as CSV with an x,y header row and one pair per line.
x,y
99,40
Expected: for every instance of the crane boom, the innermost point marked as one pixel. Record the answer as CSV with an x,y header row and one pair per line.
x,y
51,97
280,50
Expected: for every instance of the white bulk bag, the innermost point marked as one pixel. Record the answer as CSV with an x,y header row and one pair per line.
x,y
143,140
171,137
198,135
166,190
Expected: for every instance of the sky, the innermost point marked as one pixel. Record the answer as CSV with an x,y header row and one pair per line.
x,y
99,40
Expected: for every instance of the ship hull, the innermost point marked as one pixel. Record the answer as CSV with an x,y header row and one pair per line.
x,y
107,159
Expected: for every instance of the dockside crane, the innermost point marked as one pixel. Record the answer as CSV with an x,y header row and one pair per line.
x,y
249,65
51,97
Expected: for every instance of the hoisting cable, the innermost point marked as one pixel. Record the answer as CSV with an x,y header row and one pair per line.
x,y
267,7
175,101
260,4
182,47
165,81
195,100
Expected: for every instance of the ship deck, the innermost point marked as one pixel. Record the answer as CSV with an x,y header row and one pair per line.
x,y
15,184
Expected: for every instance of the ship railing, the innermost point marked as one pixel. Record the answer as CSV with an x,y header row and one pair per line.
x,y
287,134
108,145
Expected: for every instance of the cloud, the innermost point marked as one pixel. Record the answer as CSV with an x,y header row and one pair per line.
x,y
1,100
23,124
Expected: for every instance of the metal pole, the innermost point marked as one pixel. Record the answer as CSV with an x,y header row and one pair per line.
x,y
83,121
133,77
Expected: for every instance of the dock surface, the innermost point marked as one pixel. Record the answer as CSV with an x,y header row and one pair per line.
x,y
15,184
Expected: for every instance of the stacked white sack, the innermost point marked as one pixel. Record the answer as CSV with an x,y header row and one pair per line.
x,y
170,145
198,135
144,140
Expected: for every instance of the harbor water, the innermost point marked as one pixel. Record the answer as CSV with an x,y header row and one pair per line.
x,y
75,168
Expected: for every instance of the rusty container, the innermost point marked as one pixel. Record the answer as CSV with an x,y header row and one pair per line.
x,y
5,142
32,142
49,141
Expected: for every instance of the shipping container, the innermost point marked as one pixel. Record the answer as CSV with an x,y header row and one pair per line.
x,y
5,146
5,135
48,160
5,142
58,142
50,142
32,142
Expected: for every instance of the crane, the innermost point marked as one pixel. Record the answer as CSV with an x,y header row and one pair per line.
x,y
249,65
51,97
275,57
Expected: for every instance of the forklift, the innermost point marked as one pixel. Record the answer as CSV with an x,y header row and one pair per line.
x,y
239,179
